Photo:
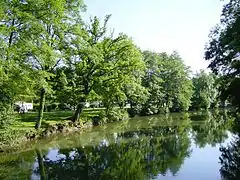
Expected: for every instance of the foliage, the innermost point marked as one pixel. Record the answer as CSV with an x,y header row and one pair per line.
x,y
47,51
6,116
223,51
15,85
33,35
113,115
101,66
177,84
153,83
205,91
168,82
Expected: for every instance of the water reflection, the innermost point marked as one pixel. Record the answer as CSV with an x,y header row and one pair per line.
x,y
212,128
137,149
230,158
136,159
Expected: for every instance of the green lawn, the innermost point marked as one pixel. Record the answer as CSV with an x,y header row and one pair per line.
x,y
25,123
28,120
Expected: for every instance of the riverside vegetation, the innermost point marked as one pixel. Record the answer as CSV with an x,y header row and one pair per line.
x,y
50,56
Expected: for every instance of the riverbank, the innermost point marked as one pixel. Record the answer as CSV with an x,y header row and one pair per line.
x,y
174,139
23,131
57,122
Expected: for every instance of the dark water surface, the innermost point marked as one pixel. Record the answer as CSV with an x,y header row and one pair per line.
x,y
173,146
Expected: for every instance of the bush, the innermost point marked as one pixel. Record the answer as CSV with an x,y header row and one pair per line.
x,y
6,116
149,110
135,110
10,138
113,115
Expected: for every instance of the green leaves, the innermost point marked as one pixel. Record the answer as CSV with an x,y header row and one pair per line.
x,y
168,82
70,61
223,50
205,91
103,66
33,36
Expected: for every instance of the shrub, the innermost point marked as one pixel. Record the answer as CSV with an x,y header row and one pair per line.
x,y
6,116
135,110
149,110
113,115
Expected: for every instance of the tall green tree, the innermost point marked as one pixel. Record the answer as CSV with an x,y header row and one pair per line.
x,y
223,51
205,91
15,78
168,82
37,33
153,82
15,85
102,65
177,83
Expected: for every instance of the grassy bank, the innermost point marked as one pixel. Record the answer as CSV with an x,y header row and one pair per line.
x,y
23,128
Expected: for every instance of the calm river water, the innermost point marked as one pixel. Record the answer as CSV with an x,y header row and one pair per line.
x,y
179,146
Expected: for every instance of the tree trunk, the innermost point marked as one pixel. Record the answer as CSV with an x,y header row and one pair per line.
x,y
41,108
41,165
79,110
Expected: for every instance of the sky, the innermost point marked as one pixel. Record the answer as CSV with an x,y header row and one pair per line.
x,y
163,25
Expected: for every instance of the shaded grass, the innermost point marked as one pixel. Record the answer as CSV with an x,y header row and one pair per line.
x,y
47,116
29,119
25,123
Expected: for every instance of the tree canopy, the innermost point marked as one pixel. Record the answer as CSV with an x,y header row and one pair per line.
x,y
223,51
205,91
168,82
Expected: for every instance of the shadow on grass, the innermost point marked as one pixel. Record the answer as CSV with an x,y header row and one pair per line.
x,y
56,115
47,116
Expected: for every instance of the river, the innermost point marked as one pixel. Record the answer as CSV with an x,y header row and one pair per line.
x,y
177,146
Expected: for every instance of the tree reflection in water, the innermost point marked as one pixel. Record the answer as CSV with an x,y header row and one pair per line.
x,y
141,149
133,159
230,158
211,129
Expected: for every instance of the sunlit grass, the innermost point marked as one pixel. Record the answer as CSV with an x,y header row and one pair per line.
x,y
27,120
25,123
